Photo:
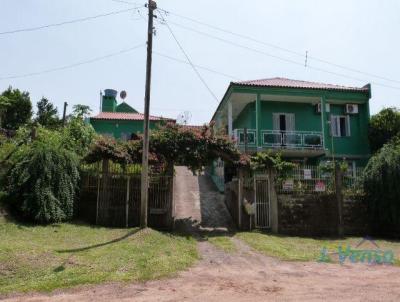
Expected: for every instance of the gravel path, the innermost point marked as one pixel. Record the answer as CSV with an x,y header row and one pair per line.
x,y
240,276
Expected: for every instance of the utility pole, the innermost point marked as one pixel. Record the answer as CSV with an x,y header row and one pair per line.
x,y
144,197
64,113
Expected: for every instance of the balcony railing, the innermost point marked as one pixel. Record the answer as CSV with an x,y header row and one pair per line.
x,y
281,139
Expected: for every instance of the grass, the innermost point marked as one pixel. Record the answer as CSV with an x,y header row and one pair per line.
x,y
308,249
44,258
223,243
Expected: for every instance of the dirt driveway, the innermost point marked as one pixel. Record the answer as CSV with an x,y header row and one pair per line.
x,y
244,275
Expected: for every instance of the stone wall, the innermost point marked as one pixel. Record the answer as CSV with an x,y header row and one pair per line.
x,y
317,215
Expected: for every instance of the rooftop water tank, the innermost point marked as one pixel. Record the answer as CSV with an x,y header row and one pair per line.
x,y
111,93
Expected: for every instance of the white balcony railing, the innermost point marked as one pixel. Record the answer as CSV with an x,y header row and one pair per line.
x,y
281,139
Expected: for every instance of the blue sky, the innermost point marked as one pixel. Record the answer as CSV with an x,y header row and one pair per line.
x,y
362,35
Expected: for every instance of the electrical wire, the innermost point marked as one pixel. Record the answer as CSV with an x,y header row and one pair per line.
x,y
73,65
29,29
278,57
191,63
278,47
197,66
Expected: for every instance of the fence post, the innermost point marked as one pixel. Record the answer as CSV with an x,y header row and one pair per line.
x,y
98,193
240,197
273,199
127,202
339,198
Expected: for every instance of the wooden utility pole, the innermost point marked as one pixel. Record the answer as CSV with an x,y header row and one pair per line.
x,y
64,113
144,197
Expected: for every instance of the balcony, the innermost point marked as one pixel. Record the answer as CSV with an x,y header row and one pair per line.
x,y
281,140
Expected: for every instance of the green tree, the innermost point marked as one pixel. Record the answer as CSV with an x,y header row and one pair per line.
x,y
18,110
4,103
381,186
81,111
47,114
383,127
44,182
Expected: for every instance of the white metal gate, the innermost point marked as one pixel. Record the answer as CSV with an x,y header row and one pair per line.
x,y
262,201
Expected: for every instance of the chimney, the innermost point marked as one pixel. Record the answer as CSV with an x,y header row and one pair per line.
x,y
109,102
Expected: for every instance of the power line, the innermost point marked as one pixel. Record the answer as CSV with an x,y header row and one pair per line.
x,y
279,47
29,29
198,66
191,63
73,65
277,57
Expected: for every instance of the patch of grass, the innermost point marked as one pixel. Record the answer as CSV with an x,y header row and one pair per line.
x,y
43,258
309,249
223,242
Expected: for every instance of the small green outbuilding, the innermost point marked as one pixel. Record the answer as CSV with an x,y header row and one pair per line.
x,y
121,121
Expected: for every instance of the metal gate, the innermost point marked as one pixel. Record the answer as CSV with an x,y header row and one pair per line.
x,y
262,201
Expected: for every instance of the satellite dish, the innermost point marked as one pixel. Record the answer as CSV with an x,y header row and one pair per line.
x,y
184,118
123,94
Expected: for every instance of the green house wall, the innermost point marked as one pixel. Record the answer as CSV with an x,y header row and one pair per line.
x,y
305,117
116,128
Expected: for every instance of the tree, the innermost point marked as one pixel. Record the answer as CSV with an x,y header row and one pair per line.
x,y
47,114
19,109
44,182
4,103
381,186
383,127
81,111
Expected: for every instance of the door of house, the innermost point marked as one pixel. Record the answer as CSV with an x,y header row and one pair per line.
x,y
262,201
283,123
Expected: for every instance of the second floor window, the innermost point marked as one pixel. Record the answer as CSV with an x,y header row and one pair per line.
x,y
340,125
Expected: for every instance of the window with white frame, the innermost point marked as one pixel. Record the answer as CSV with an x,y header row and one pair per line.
x,y
251,137
340,125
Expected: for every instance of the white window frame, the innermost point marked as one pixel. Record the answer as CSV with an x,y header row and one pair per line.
x,y
290,119
335,120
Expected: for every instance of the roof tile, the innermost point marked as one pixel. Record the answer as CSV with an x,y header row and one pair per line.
x,y
126,116
288,83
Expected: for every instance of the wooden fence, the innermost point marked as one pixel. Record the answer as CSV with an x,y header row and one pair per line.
x,y
110,196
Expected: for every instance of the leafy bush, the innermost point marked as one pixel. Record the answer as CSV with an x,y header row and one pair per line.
x,y
381,185
266,160
77,136
43,183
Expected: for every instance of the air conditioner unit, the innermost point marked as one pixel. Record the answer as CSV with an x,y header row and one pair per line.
x,y
351,108
318,108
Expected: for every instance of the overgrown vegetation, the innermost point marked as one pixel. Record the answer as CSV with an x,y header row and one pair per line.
x,y
58,256
381,185
43,183
266,160
169,145
40,170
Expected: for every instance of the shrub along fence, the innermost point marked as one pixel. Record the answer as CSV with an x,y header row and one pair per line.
x,y
110,196
309,200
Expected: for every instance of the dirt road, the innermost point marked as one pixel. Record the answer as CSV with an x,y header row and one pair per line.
x,y
240,276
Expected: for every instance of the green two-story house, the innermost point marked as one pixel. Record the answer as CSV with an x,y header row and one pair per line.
x,y
121,121
304,121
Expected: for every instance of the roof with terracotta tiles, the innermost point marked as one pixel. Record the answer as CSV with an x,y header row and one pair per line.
x,y
288,83
127,117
